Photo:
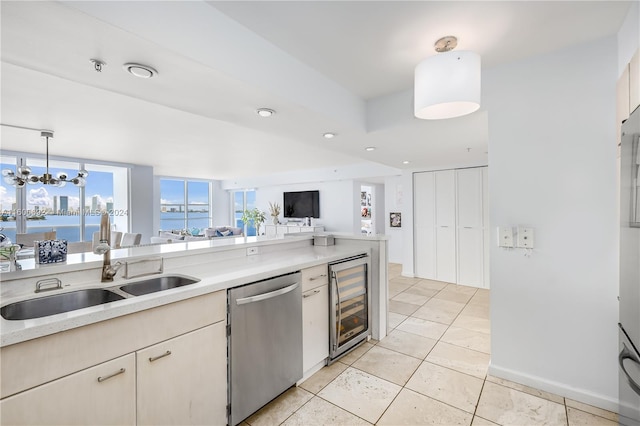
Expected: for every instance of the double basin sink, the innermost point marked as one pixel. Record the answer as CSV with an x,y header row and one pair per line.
x,y
73,300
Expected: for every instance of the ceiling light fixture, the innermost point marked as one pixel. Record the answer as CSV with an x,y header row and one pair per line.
x,y
329,135
406,162
447,84
24,175
265,112
138,70
370,148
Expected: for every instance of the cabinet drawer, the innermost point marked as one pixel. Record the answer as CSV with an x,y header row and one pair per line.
x,y
314,277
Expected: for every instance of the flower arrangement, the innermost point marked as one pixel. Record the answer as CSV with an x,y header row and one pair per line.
x,y
274,210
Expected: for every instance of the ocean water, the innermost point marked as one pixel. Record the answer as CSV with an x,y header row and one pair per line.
x,y
67,227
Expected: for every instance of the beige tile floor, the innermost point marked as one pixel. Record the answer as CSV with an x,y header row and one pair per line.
x,y
431,369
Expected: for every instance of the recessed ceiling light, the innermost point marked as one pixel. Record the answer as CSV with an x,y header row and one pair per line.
x,y
406,162
265,112
370,148
329,135
139,70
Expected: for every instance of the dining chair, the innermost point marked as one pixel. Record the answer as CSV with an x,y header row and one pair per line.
x,y
130,239
28,239
116,239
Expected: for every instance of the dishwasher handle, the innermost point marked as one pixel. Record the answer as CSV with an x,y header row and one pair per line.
x,y
269,295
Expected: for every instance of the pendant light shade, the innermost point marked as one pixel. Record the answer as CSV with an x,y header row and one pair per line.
x,y
447,85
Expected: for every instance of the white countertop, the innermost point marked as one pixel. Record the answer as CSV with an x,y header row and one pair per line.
x,y
213,276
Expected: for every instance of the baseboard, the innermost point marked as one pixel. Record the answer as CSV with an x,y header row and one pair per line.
x,y
562,389
312,371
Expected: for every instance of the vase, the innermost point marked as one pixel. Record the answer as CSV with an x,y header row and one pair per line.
x,y
275,220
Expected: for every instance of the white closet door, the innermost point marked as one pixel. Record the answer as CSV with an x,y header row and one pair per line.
x,y
445,182
424,226
470,258
469,194
446,254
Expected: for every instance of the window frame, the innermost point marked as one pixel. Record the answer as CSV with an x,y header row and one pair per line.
x,y
185,204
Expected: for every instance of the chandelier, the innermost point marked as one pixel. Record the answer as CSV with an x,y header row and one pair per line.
x,y
24,176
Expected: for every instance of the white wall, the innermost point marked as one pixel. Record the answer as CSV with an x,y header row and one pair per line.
x,y
394,202
337,202
552,166
221,205
629,37
143,201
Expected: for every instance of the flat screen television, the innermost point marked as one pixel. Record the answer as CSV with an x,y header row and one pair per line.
x,y
302,204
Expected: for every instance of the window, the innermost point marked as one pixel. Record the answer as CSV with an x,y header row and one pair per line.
x,y
68,209
185,204
8,200
244,200
106,190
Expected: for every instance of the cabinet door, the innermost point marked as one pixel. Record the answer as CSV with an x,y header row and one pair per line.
x,y
315,328
469,196
446,254
104,394
445,183
183,381
470,256
424,227
270,230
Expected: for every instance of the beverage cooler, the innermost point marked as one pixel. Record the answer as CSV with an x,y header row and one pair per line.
x,y
349,313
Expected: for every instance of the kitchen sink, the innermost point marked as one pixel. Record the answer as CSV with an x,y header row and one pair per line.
x,y
58,303
152,285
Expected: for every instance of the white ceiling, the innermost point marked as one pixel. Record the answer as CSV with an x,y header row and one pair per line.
x,y
324,66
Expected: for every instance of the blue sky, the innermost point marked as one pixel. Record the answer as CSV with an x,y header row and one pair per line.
x,y
172,192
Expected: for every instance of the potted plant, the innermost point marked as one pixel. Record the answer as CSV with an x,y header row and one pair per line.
x,y
256,216
274,210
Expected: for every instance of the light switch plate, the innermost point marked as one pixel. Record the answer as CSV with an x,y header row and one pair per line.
x,y
525,237
505,236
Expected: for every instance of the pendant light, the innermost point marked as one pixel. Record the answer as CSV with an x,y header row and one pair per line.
x,y
447,84
24,175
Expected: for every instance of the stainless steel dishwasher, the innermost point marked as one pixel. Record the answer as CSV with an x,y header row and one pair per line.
x,y
264,343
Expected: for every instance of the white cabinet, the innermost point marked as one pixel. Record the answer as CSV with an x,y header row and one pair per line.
x,y
101,373
470,232
273,230
104,394
315,318
424,227
184,380
451,238
445,202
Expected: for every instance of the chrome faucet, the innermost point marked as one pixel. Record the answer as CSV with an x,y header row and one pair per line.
x,y
104,248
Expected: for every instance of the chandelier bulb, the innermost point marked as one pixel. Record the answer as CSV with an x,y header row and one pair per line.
x,y
24,170
33,179
83,173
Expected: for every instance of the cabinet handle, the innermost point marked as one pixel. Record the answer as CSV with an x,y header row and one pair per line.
x,y
317,278
304,296
102,379
154,358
